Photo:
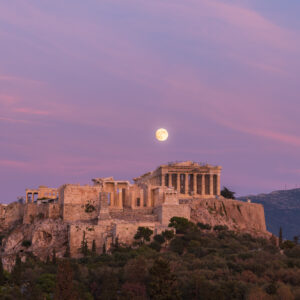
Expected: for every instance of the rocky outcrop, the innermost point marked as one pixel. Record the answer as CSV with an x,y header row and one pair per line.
x,y
39,238
236,215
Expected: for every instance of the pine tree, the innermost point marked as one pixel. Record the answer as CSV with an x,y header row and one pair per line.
x,y
280,237
2,277
94,248
163,284
64,282
54,256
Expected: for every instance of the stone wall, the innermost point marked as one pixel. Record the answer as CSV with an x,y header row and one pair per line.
x,y
79,203
166,212
35,211
10,215
100,233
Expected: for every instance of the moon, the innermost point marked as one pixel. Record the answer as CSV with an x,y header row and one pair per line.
x,y
161,134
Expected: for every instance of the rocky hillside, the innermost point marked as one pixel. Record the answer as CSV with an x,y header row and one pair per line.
x,y
282,209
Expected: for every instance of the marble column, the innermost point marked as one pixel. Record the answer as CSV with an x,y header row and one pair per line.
x,y
178,183
211,184
162,179
203,184
218,185
186,184
195,183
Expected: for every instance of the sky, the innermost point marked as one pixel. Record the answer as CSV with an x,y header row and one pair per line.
x,y
85,84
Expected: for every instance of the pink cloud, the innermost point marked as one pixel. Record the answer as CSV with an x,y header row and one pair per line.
x,y
31,111
13,164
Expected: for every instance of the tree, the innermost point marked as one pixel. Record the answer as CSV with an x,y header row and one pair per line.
x,y
64,282
54,256
104,249
84,246
143,234
280,236
180,224
2,277
159,238
227,193
162,282
68,251
94,248
296,239
168,234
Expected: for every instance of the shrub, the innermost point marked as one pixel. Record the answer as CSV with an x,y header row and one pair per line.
x,y
40,216
220,227
180,224
89,208
177,245
159,238
143,234
204,226
26,243
155,246
168,234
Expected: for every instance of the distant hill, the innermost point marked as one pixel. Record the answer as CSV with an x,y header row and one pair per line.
x,y
282,209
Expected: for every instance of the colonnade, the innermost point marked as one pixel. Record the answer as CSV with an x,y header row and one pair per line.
x,y
192,183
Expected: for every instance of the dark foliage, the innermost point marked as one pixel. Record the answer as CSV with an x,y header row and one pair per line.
x,y
199,264
227,193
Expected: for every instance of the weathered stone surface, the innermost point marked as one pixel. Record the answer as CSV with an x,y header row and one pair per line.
x,y
10,215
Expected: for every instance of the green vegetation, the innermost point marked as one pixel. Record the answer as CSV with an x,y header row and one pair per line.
x,y
227,193
197,263
89,208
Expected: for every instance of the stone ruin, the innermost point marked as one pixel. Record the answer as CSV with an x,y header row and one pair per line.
x,y
113,209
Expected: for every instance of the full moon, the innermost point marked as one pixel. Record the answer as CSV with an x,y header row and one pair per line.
x,y
162,134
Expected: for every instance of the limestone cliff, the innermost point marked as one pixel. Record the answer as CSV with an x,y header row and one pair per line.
x,y
39,238
237,215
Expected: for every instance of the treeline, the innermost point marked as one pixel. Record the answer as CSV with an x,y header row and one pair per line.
x,y
186,262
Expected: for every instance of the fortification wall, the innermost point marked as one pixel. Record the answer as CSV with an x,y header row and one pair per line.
x,y
35,211
166,212
80,203
10,215
101,234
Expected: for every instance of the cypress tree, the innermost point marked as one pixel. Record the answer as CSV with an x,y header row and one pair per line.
x,y
104,249
48,260
94,248
68,252
64,282
280,237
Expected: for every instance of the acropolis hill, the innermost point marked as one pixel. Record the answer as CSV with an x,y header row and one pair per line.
x,y
110,210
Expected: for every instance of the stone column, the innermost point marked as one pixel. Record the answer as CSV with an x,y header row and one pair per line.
x,y
186,184
170,180
120,198
32,198
218,185
195,183
149,195
211,184
178,183
26,197
162,179
203,184
114,202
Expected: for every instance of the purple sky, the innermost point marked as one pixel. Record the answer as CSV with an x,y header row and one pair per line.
x,y
85,84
